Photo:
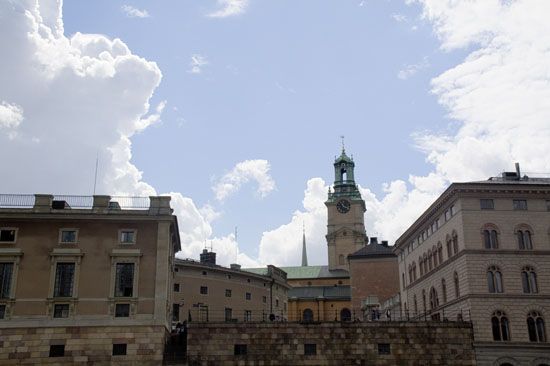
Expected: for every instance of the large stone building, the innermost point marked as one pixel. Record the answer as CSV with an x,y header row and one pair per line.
x,y
206,292
326,292
83,280
481,252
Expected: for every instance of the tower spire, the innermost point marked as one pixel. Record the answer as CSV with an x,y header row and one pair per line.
x,y
304,252
343,147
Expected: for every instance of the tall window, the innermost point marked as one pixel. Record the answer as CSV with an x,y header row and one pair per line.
x,y
529,280
500,326
524,239
307,315
440,252
434,253
6,270
64,279
444,290
424,300
414,271
455,243
535,326
490,239
434,300
410,275
421,266
457,285
124,282
415,304
430,260
228,314
494,279
449,246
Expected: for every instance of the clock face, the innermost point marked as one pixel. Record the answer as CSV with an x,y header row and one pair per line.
x,y
343,206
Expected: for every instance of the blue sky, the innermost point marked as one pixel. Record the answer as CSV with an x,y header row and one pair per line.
x,y
244,123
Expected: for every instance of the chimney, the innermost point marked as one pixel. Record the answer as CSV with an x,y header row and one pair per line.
x,y
517,170
385,243
374,240
208,257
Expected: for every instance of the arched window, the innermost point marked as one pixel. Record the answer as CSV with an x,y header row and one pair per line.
x,y
449,244
434,300
410,274
308,315
457,285
444,290
341,259
415,304
414,271
421,266
524,239
455,243
500,326
529,280
440,252
424,300
490,238
425,260
403,280
430,260
345,315
494,280
535,326
434,253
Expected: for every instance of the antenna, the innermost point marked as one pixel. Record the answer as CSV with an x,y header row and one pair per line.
x,y
236,247
343,148
96,163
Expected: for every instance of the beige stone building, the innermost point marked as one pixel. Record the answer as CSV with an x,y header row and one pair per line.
x,y
85,279
481,252
206,292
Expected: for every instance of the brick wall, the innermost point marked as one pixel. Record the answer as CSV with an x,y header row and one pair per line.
x,y
92,345
410,343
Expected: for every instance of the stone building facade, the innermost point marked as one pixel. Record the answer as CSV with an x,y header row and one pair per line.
x,y
84,279
204,291
374,343
481,252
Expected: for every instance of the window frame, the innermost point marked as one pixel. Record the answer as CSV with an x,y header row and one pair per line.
x,y
120,349
529,281
486,204
124,256
66,229
205,292
56,305
126,230
495,281
517,204
9,228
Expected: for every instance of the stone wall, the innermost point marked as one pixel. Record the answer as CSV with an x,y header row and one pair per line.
x,y
377,343
92,345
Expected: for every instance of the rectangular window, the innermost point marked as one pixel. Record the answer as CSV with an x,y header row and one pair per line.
x,y
384,349
2,311
176,287
61,311
68,236
124,281
264,299
119,349
240,350
6,270
487,204
175,312
204,290
248,296
127,236
247,316
520,204
310,349
277,302
228,314
7,235
64,279
122,310
227,293
57,350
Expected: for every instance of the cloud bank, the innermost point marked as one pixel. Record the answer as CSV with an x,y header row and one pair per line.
x,y
256,170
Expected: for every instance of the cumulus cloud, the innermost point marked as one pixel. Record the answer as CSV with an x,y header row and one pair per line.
x,y
399,18
228,8
498,101
132,12
196,63
256,170
410,70
70,99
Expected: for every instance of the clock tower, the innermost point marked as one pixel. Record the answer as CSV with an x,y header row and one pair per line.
x,y
346,208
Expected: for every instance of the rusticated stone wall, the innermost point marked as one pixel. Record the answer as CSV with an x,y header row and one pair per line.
x,y
83,345
376,343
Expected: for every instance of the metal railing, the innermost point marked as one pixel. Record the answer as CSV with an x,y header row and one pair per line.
x,y
129,203
76,201
16,200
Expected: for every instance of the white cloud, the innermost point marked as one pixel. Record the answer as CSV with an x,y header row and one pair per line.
x,y
399,18
132,12
410,70
256,170
228,8
82,97
197,62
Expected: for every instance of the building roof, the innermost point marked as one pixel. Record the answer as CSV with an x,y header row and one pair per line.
x,y
320,292
306,272
373,250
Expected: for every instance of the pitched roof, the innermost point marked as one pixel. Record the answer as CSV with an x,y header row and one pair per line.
x,y
306,272
373,250
317,292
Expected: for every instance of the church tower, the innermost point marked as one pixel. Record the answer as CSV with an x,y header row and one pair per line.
x,y
346,223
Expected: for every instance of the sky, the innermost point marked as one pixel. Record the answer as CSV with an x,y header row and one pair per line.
x,y
236,107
